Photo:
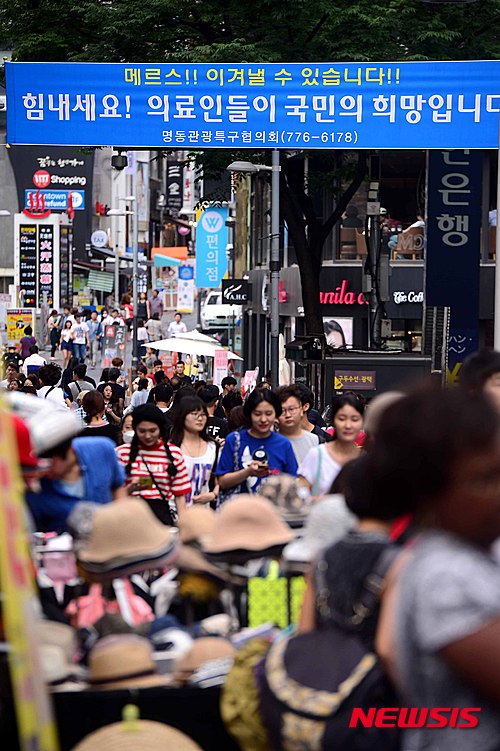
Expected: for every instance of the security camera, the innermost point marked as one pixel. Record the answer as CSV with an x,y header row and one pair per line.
x,y
119,161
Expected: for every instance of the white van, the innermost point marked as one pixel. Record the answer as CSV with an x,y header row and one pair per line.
x,y
216,314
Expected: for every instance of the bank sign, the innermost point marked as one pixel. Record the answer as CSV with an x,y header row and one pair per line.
x,y
411,105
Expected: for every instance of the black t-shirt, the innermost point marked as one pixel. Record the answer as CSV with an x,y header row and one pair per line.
x,y
118,391
106,431
217,427
323,436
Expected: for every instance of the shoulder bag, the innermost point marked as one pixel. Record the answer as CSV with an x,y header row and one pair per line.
x,y
225,495
160,508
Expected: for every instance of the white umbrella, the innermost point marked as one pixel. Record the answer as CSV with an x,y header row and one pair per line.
x,y
191,347
197,336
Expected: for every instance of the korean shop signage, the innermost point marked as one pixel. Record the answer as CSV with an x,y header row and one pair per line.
x,y
211,242
411,105
453,236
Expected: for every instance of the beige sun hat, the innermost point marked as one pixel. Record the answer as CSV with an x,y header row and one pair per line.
x,y
123,661
126,530
57,671
138,735
248,522
196,523
55,634
205,649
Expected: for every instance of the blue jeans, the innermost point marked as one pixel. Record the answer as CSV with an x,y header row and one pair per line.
x,y
79,352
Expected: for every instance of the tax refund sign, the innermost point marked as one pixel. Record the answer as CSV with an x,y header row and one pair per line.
x,y
411,105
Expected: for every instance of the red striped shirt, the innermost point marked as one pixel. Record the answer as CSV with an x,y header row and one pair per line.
x,y
158,462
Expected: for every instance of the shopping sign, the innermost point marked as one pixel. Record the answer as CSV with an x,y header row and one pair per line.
x,y
410,105
56,200
211,243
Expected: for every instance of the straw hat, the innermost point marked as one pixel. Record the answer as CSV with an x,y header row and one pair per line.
x,y
248,523
57,671
123,661
126,536
195,523
204,649
141,734
287,495
329,519
53,633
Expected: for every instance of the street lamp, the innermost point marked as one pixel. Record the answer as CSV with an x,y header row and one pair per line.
x,y
135,269
117,212
274,266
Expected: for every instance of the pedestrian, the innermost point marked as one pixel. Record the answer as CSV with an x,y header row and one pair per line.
x,y
322,463
177,327
154,468
54,324
95,418
253,453
184,379
140,396
290,422
216,426
95,334
143,306
437,456
49,377
27,341
112,407
310,421
128,310
155,305
11,373
189,433
142,338
67,342
34,362
153,327
79,383
81,340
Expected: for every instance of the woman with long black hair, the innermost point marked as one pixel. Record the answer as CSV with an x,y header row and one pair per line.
x,y
189,432
154,467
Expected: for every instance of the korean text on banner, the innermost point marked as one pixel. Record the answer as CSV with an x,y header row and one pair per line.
x,y
410,105
211,243
36,728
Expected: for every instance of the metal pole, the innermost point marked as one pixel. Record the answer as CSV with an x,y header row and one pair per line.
x,y
274,267
135,271
496,338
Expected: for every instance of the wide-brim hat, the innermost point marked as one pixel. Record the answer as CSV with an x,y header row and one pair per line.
x,y
57,671
48,427
248,523
328,521
190,559
205,649
56,634
287,495
123,661
143,735
196,523
125,531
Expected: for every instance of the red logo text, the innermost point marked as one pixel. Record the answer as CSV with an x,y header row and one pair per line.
x,y
415,717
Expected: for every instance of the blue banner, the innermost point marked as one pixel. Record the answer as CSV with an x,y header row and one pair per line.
x,y
414,105
452,246
56,200
211,242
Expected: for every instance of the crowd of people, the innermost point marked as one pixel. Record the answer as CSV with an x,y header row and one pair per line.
x,y
389,515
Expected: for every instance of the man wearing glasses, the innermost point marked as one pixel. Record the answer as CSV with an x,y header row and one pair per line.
x,y
290,422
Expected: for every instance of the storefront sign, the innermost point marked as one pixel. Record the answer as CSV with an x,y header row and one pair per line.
x,y
28,266
55,200
114,343
412,296
342,296
453,237
17,320
46,256
235,291
174,187
409,105
211,241
355,380
220,366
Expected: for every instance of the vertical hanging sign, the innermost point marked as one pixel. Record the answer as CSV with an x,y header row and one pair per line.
x,y
452,249
46,262
211,244
28,265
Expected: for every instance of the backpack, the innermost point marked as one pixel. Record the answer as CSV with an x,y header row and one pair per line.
x,y
311,683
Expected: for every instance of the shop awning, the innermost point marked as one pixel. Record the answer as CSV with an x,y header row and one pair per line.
x,y
101,280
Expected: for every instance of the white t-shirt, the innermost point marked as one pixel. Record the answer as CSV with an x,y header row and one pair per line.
x,y
199,469
319,469
35,360
53,394
80,331
175,328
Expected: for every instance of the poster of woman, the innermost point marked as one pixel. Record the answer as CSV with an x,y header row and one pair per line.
x,y
338,332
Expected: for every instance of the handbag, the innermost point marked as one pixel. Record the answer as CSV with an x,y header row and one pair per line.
x,y
312,682
225,495
160,508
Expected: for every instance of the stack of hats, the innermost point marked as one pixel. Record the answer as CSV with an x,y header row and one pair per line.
x,y
197,525
126,538
123,661
288,496
207,663
248,527
57,650
328,521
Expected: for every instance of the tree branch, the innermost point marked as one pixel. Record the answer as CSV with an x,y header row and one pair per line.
x,y
346,196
